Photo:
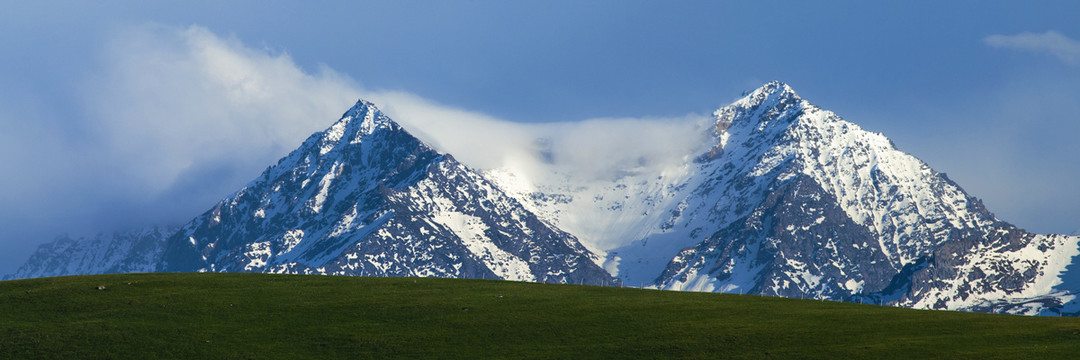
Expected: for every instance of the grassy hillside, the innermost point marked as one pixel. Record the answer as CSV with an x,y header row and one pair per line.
x,y
206,316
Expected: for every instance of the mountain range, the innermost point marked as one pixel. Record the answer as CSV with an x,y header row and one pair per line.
x,y
783,199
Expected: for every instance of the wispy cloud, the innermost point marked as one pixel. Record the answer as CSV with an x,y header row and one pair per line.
x,y
591,149
1051,42
168,119
172,100
174,118
179,99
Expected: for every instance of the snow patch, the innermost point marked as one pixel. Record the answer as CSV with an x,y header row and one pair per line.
x,y
471,231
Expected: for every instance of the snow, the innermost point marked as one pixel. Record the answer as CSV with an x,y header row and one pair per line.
x,y
289,240
257,253
854,286
324,187
610,218
333,135
471,231
1052,263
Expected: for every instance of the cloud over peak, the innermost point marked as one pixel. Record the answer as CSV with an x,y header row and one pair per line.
x,y
171,119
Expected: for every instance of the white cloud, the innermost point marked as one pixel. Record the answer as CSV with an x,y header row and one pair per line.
x,y
180,99
589,149
1051,42
172,100
176,118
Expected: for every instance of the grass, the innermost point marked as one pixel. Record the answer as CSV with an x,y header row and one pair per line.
x,y
257,316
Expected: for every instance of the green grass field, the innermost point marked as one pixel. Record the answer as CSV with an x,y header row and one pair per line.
x,y
237,316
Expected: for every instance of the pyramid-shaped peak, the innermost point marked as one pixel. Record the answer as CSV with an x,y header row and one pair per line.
x,y
775,86
362,106
773,92
773,98
371,117
361,120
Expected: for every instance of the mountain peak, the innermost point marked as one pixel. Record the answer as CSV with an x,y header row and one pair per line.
x,y
361,107
767,102
371,119
773,92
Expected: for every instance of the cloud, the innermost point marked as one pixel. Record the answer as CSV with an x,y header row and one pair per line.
x,y
173,100
167,121
182,101
1051,42
175,118
591,149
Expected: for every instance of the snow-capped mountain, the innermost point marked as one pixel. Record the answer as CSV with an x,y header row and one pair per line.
x,y
780,198
365,197
120,252
825,209
788,199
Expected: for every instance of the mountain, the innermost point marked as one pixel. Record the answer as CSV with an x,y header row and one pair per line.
x,y
121,252
788,199
367,198
780,198
362,198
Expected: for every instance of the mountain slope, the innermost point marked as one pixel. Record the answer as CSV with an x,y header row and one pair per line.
x,y
120,252
367,198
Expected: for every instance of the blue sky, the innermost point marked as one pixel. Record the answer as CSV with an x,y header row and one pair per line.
x,y
131,113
